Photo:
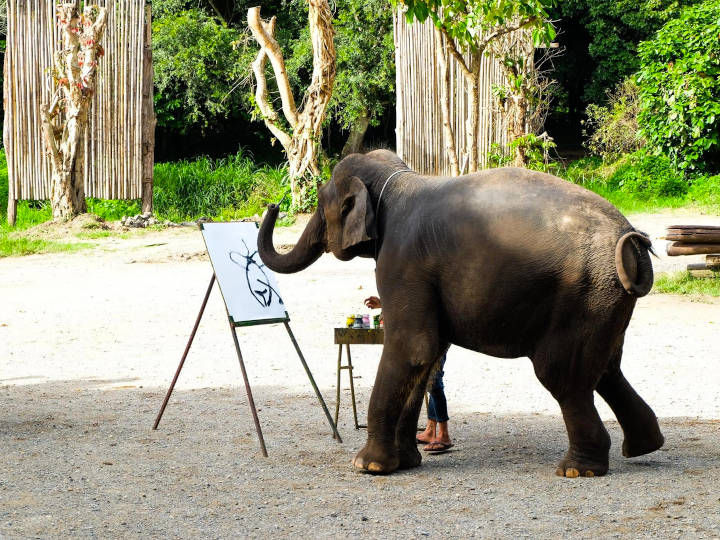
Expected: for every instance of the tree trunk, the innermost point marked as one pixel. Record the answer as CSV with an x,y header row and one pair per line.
x,y
473,126
441,56
302,142
517,128
148,117
64,121
354,143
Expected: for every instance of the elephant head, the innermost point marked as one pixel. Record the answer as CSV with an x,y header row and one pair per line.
x,y
344,224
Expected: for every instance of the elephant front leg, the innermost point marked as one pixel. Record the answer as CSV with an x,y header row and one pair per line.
x,y
395,406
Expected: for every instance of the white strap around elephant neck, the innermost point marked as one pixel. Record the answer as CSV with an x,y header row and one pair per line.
x,y
377,210
385,185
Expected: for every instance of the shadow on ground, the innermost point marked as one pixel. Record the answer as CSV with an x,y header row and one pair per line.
x,y
80,458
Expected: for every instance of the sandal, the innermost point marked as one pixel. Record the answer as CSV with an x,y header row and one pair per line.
x,y
438,446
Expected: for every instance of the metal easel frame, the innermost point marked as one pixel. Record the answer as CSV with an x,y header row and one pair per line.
x,y
251,402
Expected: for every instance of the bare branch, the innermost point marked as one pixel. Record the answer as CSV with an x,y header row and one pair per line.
x,y
450,45
264,34
502,30
269,115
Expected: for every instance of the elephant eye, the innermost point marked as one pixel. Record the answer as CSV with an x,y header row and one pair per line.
x,y
347,206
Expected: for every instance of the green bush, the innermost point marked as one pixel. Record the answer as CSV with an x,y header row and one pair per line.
x,y
232,187
679,82
613,129
706,189
648,176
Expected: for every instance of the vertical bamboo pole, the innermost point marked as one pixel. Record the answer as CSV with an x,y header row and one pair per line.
x,y
148,116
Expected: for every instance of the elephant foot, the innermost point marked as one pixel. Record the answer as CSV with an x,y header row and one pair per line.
x,y
409,457
573,467
375,459
633,447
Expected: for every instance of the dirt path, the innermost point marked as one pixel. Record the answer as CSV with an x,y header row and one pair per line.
x,y
89,341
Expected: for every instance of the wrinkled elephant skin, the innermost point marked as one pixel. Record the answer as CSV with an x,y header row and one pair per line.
x,y
507,262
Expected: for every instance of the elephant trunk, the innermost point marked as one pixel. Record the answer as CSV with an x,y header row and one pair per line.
x,y
307,250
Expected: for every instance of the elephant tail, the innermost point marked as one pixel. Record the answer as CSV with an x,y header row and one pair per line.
x,y
632,262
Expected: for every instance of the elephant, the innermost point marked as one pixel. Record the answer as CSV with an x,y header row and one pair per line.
x,y
508,262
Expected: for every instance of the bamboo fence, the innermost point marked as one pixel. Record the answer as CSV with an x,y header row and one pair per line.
x,y
419,118
114,143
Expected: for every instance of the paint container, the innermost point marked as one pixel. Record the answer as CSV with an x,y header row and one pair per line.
x,y
376,321
350,321
366,321
358,322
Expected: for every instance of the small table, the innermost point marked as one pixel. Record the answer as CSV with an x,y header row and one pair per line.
x,y
347,337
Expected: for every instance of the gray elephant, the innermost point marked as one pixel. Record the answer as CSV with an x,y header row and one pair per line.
x,y
507,262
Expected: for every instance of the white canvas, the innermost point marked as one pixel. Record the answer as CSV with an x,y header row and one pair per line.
x,y
248,287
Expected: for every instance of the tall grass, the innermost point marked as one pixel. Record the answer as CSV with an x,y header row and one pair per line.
x,y
618,182
228,188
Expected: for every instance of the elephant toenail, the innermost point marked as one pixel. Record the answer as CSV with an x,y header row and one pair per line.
x,y
589,474
559,472
374,467
572,473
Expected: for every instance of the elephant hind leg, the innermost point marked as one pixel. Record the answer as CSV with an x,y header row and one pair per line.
x,y
589,442
637,419
570,372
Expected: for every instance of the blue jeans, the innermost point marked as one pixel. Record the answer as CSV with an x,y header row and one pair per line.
x,y
437,404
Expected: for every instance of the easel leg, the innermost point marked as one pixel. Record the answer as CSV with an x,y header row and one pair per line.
x,y
251,402
187,350
352,387
336,435
337,398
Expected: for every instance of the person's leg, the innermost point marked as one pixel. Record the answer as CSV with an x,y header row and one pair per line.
x,y
441,440
429,434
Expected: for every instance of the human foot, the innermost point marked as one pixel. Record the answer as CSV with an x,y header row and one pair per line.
x,y
428,435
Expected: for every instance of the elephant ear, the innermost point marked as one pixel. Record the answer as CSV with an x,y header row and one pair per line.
x,y
358,215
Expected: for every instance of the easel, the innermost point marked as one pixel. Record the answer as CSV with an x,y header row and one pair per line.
x,y
251,402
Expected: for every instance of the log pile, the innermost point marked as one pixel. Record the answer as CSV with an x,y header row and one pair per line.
x,y
695,240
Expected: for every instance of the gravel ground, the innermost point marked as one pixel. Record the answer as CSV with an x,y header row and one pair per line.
x,y
89,342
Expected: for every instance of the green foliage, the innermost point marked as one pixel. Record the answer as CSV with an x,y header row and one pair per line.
x,y
648,176
365,59
680,87
706,190
647,185
469,21
233,187
365,80
196,67
613,128
113,210
613,29
685,283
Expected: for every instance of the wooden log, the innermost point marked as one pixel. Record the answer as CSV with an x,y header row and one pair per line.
x,y
681,248
698,227
702,273
148,118
713,261
699,235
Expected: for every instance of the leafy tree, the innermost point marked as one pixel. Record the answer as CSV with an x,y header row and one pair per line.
x,y
679,82
196,67
472,26
613,129
365,59
600,39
